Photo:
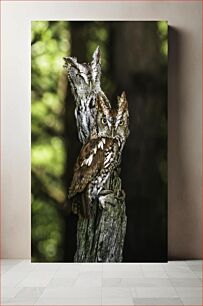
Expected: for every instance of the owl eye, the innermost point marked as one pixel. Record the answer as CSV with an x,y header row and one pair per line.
x,y
103,120
121,122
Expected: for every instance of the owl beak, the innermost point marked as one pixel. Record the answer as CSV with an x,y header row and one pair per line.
x,y
113,133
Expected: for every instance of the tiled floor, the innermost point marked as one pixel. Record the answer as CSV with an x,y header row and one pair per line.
x,y
173,283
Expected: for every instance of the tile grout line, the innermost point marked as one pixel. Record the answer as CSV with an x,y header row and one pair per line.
x,y
102,284
174,288
180,298
16,286
46,286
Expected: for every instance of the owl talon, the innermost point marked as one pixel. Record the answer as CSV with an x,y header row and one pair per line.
x,y
107,198
104,206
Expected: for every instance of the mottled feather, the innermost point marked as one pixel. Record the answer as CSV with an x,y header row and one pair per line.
x,y
84,171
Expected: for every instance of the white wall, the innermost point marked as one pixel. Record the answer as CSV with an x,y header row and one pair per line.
x,y
184,110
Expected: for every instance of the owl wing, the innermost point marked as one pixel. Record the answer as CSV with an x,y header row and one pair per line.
x,y
88,164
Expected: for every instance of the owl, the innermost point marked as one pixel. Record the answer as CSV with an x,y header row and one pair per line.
x,y
85,84
100,155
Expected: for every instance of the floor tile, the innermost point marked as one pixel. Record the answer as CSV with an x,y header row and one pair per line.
x,y
91,267
61,282
152,268
156,274
157,301
192,301
46,267
11,261
198,274
71,267
121,267
72,292
14,276
116,292
90,274
6,268
160,264
146,282
117,301
112,282
122,274
193,262
21,301
179,274
67,273
196,268
177,263
4,301
177,268
9,292
189,291
30,292
153,292
185,282
91,282
69,301
37,279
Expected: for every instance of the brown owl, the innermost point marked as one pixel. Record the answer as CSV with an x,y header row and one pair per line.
x,y
100,155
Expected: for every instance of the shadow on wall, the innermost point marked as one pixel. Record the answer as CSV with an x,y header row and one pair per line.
x,y
183,202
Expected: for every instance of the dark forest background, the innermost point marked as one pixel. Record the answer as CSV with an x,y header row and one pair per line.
x,y
134,59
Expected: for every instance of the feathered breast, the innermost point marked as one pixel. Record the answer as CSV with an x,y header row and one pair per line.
x,y
89,163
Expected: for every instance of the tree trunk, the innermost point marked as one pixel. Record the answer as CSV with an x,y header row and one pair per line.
x,y
101,237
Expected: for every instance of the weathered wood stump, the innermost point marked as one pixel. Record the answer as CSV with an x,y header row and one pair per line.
x,y
100,238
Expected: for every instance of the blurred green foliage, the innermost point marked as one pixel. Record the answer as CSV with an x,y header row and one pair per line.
x,y
50,42
163,34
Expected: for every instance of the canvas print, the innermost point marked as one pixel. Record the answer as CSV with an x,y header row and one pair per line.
x,y
99,141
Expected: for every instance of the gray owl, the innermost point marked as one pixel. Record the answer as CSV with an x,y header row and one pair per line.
x,y
100,155
85,84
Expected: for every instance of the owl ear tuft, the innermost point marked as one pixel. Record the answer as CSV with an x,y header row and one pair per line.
x,y
123,95
122,103
96,65
102,105
96,57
